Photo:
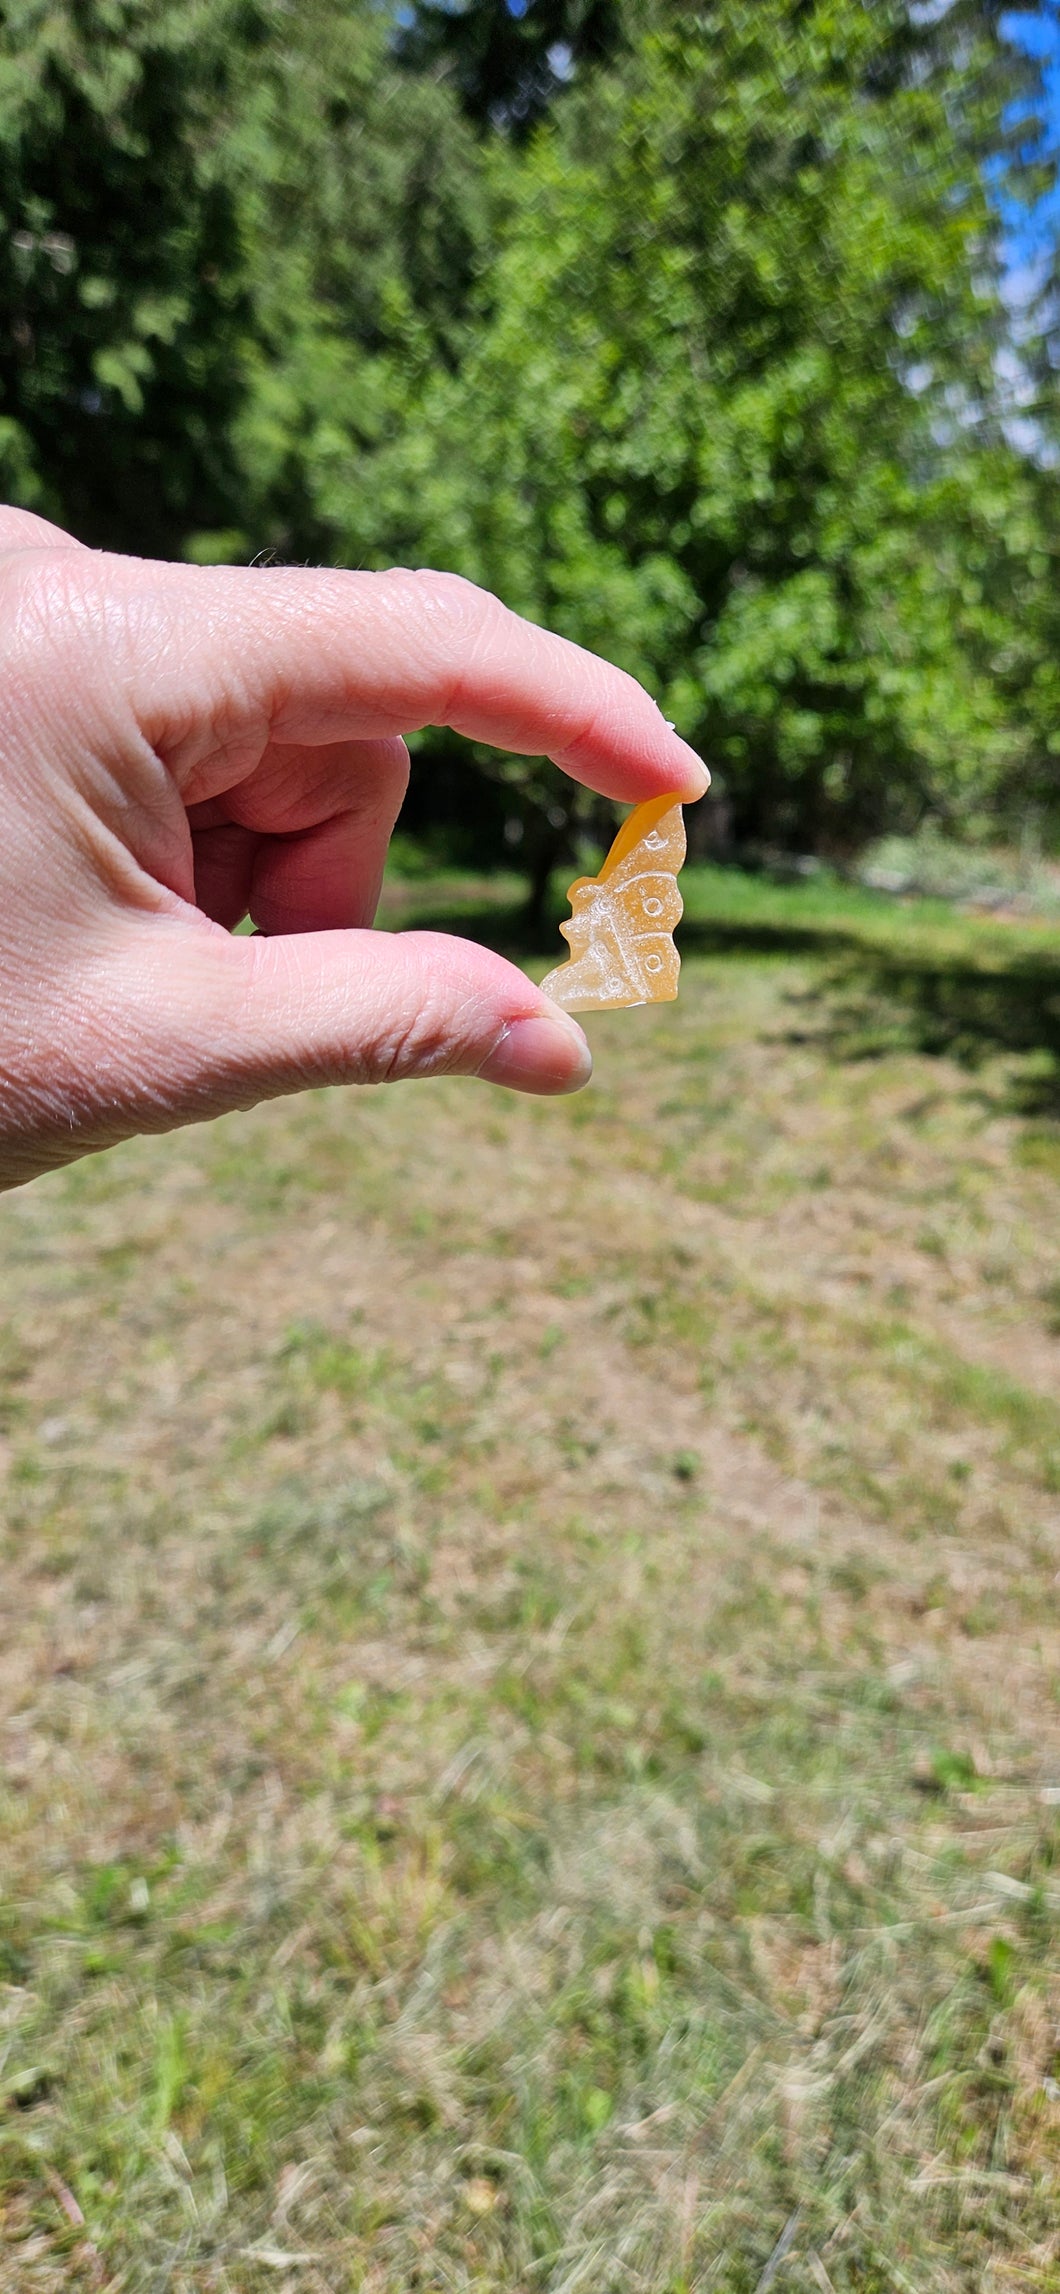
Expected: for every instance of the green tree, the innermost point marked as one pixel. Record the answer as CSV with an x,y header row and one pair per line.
x,y
233,238
508,59
734,414
1038,376
366,228
120,263
704,371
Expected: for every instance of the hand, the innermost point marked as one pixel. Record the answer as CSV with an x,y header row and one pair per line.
x,y
182,746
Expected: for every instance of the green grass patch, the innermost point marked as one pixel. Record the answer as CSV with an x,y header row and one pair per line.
x,y
530,1703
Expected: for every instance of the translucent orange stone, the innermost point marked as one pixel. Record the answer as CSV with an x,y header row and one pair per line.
x,y
620,932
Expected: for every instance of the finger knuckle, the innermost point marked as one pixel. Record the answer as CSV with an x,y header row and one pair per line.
x,y
441,1016
458,601
47,608
415,1041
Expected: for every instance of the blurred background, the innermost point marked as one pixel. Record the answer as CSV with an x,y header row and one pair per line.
x,y
722,340
530,1701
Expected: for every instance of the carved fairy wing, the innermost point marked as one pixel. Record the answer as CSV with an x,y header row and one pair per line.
x,y
620,931
652,838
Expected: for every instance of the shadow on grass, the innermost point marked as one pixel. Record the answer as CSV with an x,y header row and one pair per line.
x,y
967,1011
873,1000
505,926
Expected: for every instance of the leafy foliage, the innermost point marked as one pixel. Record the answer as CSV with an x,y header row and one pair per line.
x,y
120,261
509,61
739,392
712,369
366,226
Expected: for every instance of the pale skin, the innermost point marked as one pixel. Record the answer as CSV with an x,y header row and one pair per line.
x,y
182,746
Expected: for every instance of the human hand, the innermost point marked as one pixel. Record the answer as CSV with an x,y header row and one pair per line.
x,y
181,746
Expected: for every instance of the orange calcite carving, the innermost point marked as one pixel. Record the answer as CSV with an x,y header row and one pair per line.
x,y
622,921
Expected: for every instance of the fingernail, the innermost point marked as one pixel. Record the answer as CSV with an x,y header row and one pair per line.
x,y
546,1052
697,776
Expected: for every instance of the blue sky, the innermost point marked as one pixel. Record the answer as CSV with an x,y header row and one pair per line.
x,y
1038,30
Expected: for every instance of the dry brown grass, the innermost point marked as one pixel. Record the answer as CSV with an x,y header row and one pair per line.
x,y
530,1690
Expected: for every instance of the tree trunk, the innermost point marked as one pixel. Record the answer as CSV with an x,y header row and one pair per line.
x,y
548,850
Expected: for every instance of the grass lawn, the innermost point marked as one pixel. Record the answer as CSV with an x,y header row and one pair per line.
x,y
530,1683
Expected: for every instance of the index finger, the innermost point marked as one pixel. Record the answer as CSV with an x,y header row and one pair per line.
x,y
299,656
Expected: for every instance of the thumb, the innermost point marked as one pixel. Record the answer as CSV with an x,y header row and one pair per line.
x,y
221,1022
